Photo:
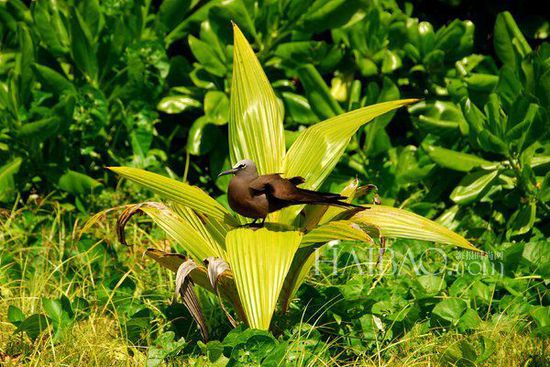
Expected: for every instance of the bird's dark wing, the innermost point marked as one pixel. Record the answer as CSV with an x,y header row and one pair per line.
x,y
298,180
282,192
285,189
259,184
263,184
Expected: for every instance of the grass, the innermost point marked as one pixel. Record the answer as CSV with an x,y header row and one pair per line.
x,y
41,257
430,349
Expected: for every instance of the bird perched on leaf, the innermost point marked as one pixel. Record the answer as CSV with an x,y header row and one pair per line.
x,y
255,196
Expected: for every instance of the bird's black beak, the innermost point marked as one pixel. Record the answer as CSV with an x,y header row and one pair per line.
x,y
228,172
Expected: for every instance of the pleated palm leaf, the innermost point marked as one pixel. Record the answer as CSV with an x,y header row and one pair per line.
x,y
254,269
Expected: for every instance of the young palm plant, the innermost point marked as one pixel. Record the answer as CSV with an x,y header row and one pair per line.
x,y
255,269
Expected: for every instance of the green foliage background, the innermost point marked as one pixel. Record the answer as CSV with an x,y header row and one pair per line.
x,y
87,84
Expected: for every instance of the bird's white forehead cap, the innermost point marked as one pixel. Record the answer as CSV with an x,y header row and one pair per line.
x,y
246,162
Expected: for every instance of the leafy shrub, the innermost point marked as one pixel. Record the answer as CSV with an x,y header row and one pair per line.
x,y
115,83
94,83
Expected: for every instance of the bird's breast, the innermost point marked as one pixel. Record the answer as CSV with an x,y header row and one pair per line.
x,y
242,201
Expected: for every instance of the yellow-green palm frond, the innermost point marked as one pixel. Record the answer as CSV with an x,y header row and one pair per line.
x,y
179,192
260,260
317,149
256,115
399,223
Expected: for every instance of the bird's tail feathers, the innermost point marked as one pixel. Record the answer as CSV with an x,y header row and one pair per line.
x,y
338,203
325,198
319,194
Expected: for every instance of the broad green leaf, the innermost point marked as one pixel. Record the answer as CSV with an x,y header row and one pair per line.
x,y
326,14
216,107
541,315
450,310
202,137
50,27
399,223
239,12
391,62
461,353
179,192
522,220
209,33
39,130
481,82
24,61
256,115
298,109
319,96
53,80
472,186
447,218
456,38
93,16
474,117
470,320
544,193
207,57
82,49
457,161
164,347
488,346
177,104
344,230
59,311
33,325
15,315
7,183
408,167
426,37
318,148
509,86
78,184
439,117
260,260
508,40
297,53
172,12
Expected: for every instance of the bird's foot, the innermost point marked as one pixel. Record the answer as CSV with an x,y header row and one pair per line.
x,y
254,225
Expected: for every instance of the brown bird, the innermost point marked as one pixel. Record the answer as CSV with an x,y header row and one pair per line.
x,y
256,196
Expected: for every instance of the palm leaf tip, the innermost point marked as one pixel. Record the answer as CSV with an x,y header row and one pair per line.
x,y
399,223
256,115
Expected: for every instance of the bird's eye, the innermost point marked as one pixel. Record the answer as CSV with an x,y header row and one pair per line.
x,y
242,166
